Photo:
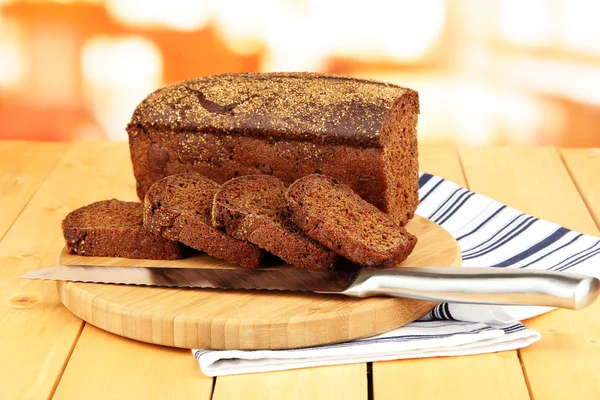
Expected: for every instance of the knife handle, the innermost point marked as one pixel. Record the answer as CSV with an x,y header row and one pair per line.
x,y
500,286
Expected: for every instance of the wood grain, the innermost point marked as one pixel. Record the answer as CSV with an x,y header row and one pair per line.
x,y
584,167
347,382
228,319
103,170
565,362
38,330
105,366
426,378
442,160
482,376
20,177
531,179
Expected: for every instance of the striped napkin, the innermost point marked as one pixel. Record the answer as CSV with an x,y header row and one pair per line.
x,y
489,234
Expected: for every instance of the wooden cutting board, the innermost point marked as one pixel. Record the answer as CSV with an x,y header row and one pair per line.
x,y
220,319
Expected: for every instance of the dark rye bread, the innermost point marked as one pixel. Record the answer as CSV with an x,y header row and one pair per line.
x,y
179,207
335,216
114,228
288,125
253,208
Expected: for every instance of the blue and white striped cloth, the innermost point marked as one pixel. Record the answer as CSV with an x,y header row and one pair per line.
x,y
489,234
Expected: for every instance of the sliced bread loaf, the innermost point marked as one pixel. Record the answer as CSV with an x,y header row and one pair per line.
x,y
114,228
178,207
288,125
335,216
253,208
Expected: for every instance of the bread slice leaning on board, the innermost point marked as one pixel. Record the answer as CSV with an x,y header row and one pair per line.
x,y
333,215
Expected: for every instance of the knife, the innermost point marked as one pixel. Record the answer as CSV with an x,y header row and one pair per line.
x,y
500,286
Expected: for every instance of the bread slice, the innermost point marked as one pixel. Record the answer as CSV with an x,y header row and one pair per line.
x,y
114,228
335,216
178,207
253,208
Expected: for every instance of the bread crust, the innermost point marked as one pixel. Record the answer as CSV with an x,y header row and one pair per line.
x,y
301,106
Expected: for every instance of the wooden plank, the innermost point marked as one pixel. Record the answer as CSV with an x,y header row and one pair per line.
x,y
533,180
128,369
106,366
37,333
584,165
564,364
332,382
442,160
482,376
485,376
23,167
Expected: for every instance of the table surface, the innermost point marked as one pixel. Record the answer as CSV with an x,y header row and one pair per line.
x,y
47,352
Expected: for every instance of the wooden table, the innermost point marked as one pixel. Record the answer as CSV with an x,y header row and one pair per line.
x,y
46,352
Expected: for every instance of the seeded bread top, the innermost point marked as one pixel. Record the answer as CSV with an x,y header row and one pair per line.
x,y
313,107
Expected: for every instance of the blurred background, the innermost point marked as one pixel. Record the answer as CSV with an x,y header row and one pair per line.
x,y
488,72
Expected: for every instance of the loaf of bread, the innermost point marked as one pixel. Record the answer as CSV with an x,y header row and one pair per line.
x,y
333,215
114,228
288,125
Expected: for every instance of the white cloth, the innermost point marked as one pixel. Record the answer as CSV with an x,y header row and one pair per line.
x,y
489,234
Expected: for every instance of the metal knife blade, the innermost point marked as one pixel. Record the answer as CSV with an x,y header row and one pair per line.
x,y
505,286
216,278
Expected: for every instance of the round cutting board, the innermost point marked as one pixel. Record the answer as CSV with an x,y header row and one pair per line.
x,y
221,319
